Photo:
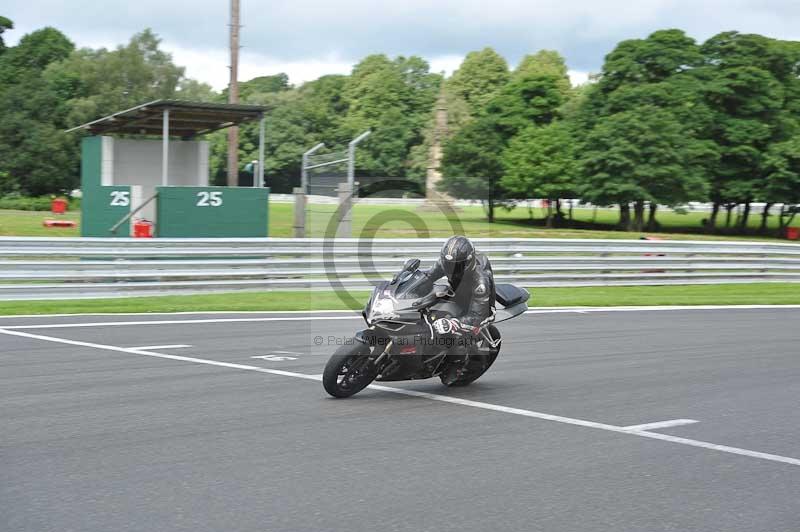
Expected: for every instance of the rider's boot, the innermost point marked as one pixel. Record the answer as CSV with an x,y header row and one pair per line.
x,y
456,365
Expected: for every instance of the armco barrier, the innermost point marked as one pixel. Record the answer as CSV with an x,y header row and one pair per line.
x,y
58,268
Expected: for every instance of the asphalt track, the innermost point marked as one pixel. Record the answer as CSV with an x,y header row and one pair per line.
x,y
106,429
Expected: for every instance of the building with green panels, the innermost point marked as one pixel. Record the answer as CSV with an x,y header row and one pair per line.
x,y
126,175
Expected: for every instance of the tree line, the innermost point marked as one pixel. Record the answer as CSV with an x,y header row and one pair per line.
x,y
666,121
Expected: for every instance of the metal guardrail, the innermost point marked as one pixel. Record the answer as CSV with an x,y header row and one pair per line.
x,y
58,268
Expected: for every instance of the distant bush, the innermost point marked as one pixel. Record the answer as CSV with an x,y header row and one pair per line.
x,y
26,203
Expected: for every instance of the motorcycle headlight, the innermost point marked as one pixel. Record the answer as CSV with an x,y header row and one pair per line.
x,y
383,307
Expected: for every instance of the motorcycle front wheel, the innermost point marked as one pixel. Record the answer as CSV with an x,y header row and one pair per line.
x,y
348,371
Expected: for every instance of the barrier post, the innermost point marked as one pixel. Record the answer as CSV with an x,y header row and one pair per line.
x,y
299,212
344,227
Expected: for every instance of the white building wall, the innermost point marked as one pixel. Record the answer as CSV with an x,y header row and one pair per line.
x,y
138,162
107,163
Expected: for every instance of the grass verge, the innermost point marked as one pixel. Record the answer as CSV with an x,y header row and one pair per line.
x,y
30,223
398,221
721,294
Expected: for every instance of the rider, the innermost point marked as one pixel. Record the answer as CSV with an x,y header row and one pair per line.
x,y
470,276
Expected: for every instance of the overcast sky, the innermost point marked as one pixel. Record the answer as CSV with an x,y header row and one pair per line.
x,y
309,38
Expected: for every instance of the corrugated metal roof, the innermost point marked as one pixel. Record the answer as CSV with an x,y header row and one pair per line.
x,y
186,119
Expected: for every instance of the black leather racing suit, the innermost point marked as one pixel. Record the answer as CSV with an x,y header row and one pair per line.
x,y
474,293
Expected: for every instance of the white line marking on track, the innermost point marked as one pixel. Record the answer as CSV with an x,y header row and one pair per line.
x,y
592,424
353,316
272,357
157,355
174,322
192,313
661,424
153,347
586,310
436,397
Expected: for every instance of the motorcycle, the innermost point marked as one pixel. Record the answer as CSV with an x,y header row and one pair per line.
x,y
399,342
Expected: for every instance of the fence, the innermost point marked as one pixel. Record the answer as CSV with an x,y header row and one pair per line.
x,y
67,268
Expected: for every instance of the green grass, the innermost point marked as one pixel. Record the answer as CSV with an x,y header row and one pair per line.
x,y
29,223
368,220
722,294
671,219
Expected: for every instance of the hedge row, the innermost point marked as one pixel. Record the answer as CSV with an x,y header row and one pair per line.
x,y
27,203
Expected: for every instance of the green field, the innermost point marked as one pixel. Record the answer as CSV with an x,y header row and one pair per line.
x,y
29,223
514,223
722,294
387,221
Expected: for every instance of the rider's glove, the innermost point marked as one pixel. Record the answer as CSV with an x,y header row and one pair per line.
x,y
447,326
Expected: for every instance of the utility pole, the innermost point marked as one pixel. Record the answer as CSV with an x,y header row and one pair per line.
x,y
233,97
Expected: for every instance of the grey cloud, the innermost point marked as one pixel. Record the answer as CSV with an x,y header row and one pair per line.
x,y
306,29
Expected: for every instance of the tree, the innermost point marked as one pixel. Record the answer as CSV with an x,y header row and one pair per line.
x,y
782,166
472,157
637,156
37,157
5,24
747,80
195,91
661,55
46,86
287,137
253,88
657,74
101,82
481,75
34,52
471,163
541,162
652,71
682,97
296,119
527,99
393,98
546,62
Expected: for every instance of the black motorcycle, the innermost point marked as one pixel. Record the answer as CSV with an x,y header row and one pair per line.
x,y
400,344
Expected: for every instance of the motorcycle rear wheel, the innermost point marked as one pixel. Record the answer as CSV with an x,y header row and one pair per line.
x,y
348,371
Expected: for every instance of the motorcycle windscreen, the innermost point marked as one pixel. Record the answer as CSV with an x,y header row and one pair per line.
x,y
415,286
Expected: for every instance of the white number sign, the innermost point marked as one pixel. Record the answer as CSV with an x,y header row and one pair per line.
x,y
120,198
209,199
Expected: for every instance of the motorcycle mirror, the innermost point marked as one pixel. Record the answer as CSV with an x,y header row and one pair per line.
x,y
411,265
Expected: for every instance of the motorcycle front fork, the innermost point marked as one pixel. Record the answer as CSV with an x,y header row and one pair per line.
x,y
383,355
